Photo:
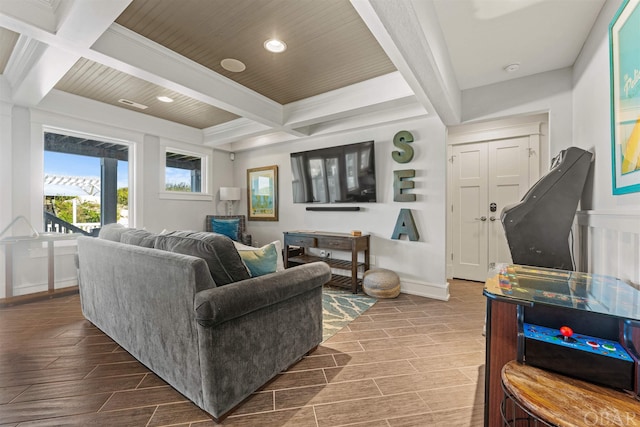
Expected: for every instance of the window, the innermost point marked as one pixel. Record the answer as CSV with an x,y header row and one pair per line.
x,y
86,183
184,173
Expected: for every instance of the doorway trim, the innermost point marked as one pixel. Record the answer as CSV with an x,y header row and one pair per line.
x,y
535,126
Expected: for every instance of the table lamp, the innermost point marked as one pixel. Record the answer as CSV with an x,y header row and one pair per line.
x,y
229,194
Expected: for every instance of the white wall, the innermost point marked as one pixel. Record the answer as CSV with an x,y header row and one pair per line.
x,y
420,264
21,173
578,102
611,225
592,111
145,136
545,92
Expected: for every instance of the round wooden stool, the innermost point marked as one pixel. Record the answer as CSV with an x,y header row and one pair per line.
x,y
535,397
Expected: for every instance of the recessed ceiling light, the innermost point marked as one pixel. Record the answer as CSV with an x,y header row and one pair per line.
x,y
275,45
233,65
512,67
164,99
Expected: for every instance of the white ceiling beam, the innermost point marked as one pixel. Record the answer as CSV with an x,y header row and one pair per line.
x,y
392,113
51,40
82,22
352,100
34,13
384,93
234,130
262,141
374,118
409,33
241,129
34,69
133,54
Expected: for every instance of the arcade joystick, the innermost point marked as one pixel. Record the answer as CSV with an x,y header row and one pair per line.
x,y
566,333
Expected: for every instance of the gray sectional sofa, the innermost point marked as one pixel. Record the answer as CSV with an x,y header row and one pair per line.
x,y
215,344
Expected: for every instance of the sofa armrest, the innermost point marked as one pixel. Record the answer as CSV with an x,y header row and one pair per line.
x,y
224,303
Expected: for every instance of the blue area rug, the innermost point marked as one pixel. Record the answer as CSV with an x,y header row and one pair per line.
x,y
340,307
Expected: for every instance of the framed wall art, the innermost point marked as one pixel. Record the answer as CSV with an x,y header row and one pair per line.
x,y
624,40
262,197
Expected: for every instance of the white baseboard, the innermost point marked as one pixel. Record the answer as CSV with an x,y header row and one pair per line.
x,y
26,289
424,289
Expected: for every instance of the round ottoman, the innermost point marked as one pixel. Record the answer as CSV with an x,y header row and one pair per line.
x,y
381,283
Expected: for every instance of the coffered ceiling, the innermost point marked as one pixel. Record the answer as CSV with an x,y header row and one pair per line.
x,y
99,82
348,64
328,45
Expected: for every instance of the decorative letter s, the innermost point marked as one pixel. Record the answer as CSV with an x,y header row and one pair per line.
x,y
402,140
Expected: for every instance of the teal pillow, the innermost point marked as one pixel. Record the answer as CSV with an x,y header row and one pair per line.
x,y
260,261
228,227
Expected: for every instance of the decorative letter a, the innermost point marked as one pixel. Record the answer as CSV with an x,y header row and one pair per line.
x,y
405,225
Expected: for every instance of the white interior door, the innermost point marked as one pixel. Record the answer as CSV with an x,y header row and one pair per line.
x,y
470,181
485,173
508,181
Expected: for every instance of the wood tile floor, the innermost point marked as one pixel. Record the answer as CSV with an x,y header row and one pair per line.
x,y
406,362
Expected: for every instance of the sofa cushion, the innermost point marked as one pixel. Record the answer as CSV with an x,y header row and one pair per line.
x,y
137,237
217,250
260,261
112,231
228,227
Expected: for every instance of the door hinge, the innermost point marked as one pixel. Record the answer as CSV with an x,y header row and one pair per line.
x,y
451,256
451,158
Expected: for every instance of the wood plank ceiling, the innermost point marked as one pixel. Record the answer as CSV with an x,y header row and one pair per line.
x,y
8,41
329,47
101,83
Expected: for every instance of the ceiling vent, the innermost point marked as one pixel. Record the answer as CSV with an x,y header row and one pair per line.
x,y
132,104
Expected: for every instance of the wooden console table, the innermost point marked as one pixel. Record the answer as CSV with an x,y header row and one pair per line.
x,y
596,305
330,241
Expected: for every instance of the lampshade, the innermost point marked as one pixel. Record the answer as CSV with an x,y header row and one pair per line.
x,y
229,193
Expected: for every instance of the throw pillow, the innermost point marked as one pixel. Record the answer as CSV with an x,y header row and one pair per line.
x,y
138,237
280,262
228,227
217,250
112,231
260,261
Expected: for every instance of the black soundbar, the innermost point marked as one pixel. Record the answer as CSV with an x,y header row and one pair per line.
x,y
333,208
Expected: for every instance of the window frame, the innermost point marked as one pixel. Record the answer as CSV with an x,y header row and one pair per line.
x,y
131,145
206,157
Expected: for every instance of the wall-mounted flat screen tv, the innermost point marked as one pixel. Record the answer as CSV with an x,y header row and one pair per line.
x,y
342,174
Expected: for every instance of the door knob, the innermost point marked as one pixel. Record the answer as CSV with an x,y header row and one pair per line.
x,y
492,218
482,218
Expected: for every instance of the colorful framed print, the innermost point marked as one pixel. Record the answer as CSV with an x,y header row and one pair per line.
x,y
624,52
262,197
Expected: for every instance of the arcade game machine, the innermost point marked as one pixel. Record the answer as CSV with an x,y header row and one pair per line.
x,y
540,311
537,228
569,323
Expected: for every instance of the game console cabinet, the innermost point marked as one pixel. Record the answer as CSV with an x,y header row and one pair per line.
x,y
576,324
